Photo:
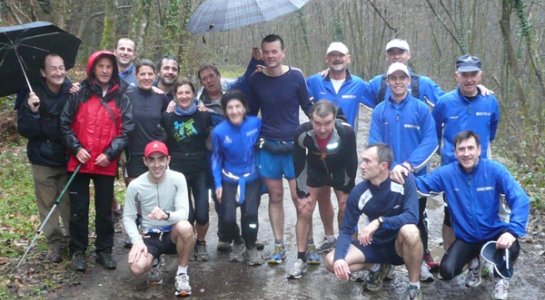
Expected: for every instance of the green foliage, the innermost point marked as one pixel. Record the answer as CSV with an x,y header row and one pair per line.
x,y
524,23
108,32
172,26
338,33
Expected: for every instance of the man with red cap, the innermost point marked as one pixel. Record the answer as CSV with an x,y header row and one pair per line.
x,y
161,196
95,123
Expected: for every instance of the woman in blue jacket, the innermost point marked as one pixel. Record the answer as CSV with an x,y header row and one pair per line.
x,y
236,179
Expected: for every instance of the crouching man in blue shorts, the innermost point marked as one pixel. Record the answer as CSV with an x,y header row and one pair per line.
x,y
161,195
391,236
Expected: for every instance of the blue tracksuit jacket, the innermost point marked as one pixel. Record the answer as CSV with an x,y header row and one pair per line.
x,y
455,113
473,199
408,128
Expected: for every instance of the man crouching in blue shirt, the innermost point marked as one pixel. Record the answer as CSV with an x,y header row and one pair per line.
x,y
391,236
473,186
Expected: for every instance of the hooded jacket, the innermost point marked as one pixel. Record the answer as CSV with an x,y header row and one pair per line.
x,y
97,121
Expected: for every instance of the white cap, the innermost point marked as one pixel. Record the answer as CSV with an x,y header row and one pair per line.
x,y
398,43
337,46
397,66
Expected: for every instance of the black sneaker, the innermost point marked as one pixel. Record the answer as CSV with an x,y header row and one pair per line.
x,y
105,259
375,279
78,261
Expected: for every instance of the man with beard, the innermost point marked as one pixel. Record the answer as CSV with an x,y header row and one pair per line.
x,y
167,75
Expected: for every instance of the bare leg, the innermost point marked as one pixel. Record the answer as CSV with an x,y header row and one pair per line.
x,y
182,236
341,201
201,230
325,207
305,208
354,258
276,207
409,246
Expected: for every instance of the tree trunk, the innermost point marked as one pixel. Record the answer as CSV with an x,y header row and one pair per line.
x,y
108,32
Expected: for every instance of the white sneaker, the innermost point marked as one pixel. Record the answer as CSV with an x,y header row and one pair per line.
x,y
425,274
298,270
500,292
183,289
473,277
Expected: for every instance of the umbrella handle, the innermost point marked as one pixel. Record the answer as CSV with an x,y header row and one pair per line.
x,y
23,69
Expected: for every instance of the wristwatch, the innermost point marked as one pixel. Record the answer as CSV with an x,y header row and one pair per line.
x,y
168,214
380,220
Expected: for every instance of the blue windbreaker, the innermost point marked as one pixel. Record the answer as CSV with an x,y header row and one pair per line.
x,y
474,202
353,92
454,113
233,150
429,91
408,128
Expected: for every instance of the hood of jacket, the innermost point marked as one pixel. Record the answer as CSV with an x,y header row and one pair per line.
x,y
94,58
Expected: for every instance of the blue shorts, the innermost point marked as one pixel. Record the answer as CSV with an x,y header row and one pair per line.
x,y
380,254
273,166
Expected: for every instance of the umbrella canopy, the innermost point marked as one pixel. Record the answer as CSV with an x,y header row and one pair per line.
x,y
222,15
23,47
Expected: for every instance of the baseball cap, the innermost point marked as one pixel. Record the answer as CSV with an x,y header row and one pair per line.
x,y
155,146
398,43
397,66
337,46
468,63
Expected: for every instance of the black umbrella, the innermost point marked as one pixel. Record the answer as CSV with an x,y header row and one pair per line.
x,y
23,47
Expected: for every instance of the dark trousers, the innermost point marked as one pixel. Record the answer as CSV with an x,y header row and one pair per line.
x,y
197,185
79,212
423,222
460,253
249,211
223,235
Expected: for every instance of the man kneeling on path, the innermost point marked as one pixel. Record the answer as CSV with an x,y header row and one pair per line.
x,y
391,236
161,195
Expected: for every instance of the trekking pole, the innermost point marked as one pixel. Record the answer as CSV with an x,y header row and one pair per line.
x,y
57,201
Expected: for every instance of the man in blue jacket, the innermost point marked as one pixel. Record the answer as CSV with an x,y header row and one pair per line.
x,y
406,125
473,186
467,107
422,87
347,92
390,237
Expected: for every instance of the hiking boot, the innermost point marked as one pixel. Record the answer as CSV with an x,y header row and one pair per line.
x,y
237,252
278,255
375,279
298,270
54,254
154,277
313,258
425,274
78,261
181,282
391,275
412,292
106,260
254,257
501,289
200,251
432,264
223,246
473,277
326,246
358,276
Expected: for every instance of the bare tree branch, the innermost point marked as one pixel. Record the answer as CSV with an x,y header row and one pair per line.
x,y
382,17
454,37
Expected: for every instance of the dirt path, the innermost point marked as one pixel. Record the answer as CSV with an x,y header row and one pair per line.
x,y
221,279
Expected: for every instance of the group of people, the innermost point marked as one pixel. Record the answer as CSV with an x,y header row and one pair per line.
x,y
233,140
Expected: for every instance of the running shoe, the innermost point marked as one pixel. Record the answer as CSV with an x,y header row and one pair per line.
x,y
412,293
278,255
391,274
425,274
298,270
358,276
473,277
154,277
254,257
313,258
183,289
434,266
223,246
200,251
237,252
326,246
501,289
375,279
